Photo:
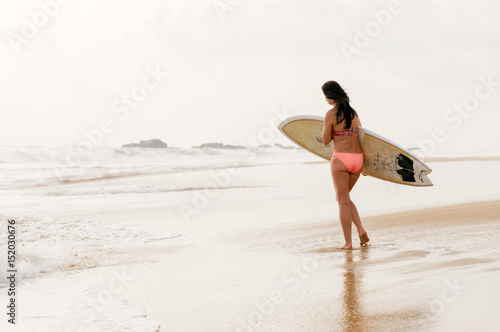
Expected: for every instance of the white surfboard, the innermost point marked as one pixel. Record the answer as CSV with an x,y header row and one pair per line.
x,y
383,158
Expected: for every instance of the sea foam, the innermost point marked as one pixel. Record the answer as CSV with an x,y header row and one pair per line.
x,y
46,245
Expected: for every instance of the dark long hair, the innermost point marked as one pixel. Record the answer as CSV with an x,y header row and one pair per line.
x,y
332,90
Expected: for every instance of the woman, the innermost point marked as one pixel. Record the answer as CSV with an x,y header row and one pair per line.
x,y
341,123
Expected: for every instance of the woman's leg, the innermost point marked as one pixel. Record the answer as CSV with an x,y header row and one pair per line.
x,y
341,182
363,235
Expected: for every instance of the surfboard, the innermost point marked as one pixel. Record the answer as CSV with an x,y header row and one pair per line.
x,y
383,159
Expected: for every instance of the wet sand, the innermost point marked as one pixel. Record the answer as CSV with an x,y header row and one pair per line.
x,y
431,269
449,159
261,256
426,270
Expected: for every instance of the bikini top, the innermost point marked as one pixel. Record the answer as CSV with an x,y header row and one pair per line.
x,y
345,132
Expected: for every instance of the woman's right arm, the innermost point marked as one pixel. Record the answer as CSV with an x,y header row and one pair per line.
x,y
358,119
327,127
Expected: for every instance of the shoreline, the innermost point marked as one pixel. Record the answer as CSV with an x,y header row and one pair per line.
x,y
478,211
434,159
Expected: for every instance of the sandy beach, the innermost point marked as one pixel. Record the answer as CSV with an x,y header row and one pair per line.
x,y
258,254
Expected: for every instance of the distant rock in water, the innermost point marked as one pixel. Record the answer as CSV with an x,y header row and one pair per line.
x,y
219,146
277,145
152,143
286,147
227,146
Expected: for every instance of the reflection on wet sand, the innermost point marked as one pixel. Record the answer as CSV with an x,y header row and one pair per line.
x,y
352,293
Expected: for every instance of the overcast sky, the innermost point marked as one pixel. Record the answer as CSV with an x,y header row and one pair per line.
x,y
213,71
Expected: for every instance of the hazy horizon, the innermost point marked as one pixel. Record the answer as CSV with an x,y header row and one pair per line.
x,y
421,73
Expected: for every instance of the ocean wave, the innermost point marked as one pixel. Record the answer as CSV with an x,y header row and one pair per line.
x,y
78,178
67,155
75,178
24,167
46,246
136,189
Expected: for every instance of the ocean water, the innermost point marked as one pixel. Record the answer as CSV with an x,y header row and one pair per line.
x,y
33,185
24,167
36,180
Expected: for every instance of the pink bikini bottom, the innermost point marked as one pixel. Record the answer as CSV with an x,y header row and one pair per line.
x,y
352,161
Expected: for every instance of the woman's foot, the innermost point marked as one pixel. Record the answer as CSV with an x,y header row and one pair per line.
x,y
363,238
346,247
